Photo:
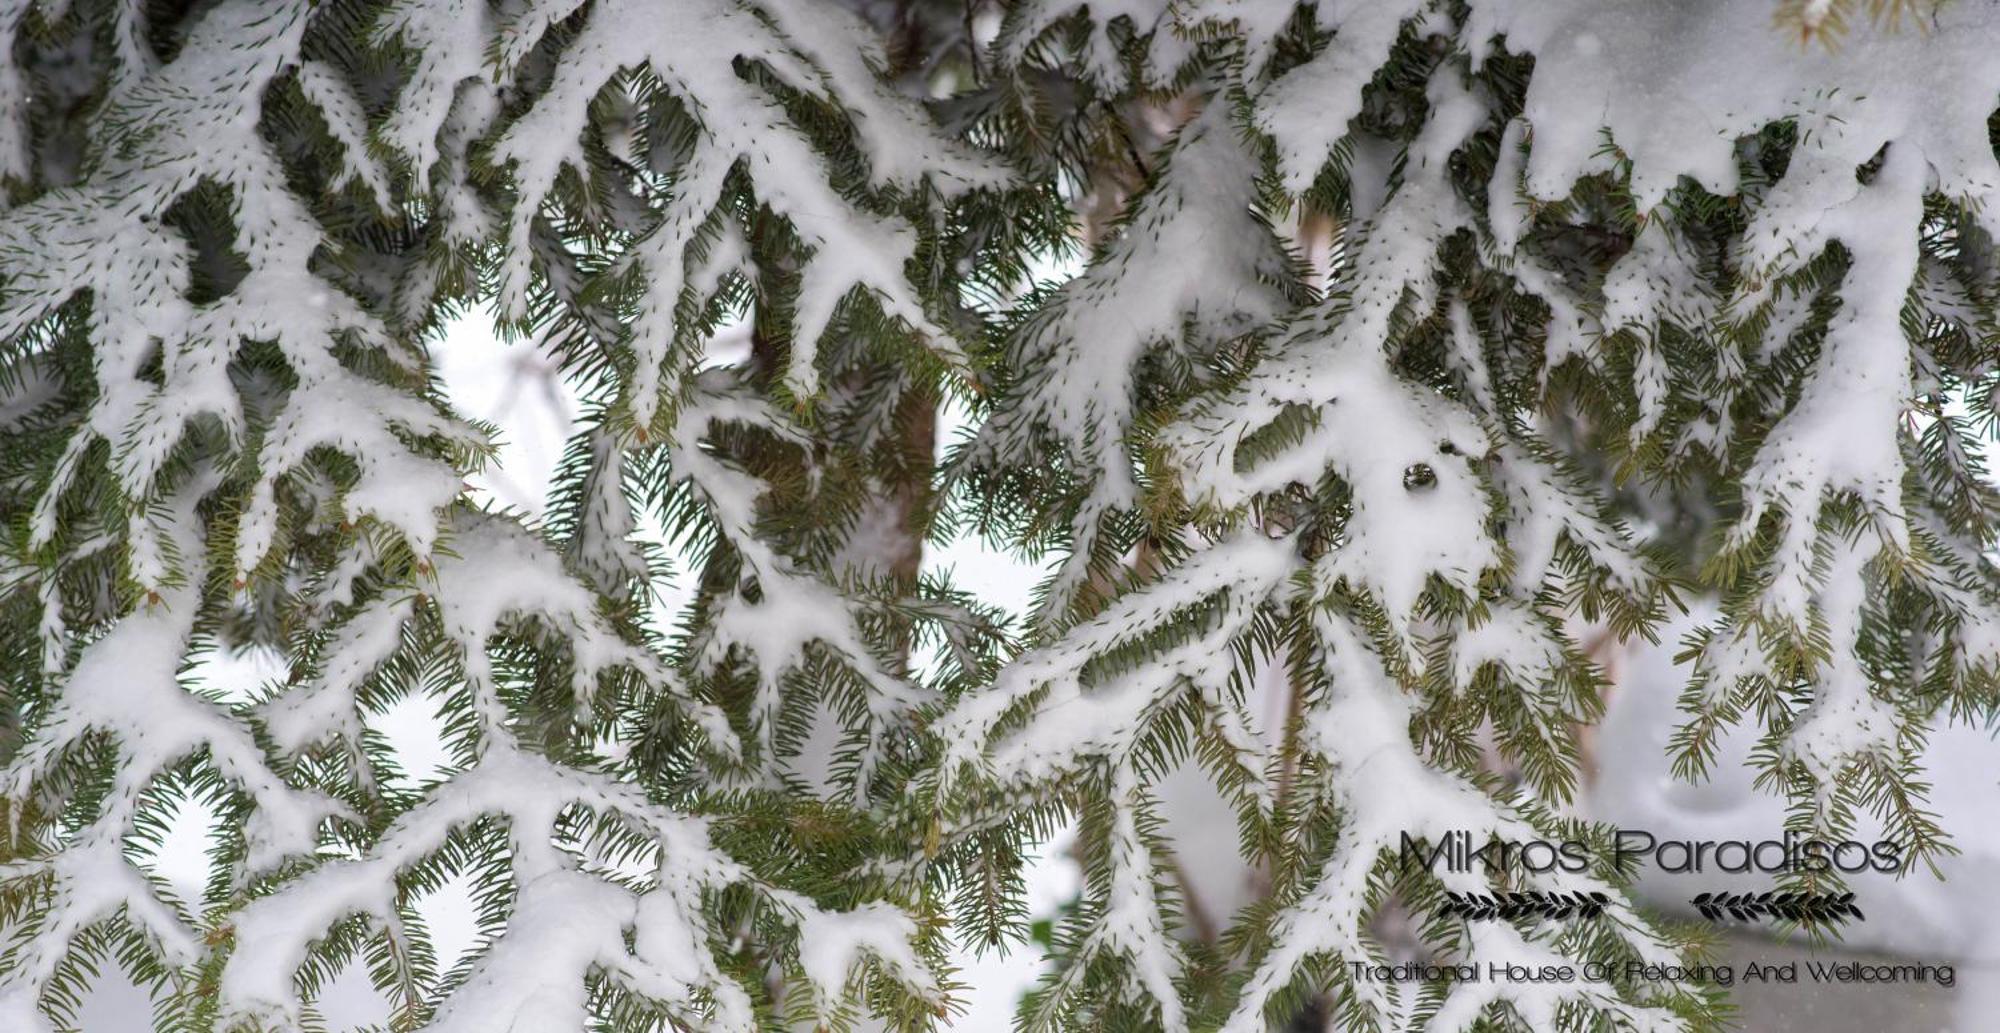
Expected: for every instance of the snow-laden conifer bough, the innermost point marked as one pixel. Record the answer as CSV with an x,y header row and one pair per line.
x,y
1421,337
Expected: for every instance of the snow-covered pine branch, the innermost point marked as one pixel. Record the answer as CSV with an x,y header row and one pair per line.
x,y
1744,275
1212,270
1412,338
215,306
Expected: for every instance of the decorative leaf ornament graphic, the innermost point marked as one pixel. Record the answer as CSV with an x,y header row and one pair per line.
x,y
1804,908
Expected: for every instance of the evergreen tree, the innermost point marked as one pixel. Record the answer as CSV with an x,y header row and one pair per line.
x,y
1412,338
